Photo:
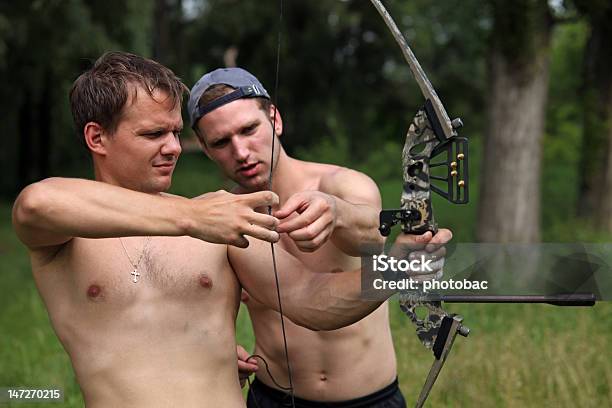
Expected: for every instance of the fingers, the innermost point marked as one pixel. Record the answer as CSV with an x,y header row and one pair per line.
x,y
245,364
293,204
241,353
260,226
412,241
427,250
430,242
313,236
442,237
247,367
263,220
261,199
304,219
406,244
262,233
240,241
310,226
438,253
432,276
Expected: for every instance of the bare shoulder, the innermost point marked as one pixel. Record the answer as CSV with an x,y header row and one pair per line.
x,y
348,184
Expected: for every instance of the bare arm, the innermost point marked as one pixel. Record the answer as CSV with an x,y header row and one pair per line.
x,y
359,203
317,301
53,211
345,210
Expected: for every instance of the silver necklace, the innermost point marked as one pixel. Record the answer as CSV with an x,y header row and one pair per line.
x,y
135,274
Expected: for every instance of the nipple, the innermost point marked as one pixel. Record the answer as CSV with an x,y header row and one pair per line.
x,y
205,282
93,291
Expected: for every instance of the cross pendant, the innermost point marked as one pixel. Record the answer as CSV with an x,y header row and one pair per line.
x,y
136,275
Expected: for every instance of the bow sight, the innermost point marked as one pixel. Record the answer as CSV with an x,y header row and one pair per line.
x,y
426,143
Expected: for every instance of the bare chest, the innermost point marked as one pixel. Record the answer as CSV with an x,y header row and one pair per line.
x,y
117,271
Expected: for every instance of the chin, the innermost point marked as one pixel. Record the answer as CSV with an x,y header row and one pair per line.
x,y
160,186
253,186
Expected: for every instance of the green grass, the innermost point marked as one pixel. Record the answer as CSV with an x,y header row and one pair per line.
x,y
516,355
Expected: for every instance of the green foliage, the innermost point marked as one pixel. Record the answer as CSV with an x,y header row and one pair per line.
x,y
44,46
563,138
196,174
334,150
529,21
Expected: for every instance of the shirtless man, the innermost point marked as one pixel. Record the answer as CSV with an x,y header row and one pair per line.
x,y
141,299
328,212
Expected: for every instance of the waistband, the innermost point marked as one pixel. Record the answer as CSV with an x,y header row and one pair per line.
x,y
361,402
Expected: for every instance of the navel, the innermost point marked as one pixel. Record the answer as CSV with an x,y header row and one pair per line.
x,y
205,282
93,291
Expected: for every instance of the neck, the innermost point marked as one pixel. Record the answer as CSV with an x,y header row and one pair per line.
x,y
288,177
105,177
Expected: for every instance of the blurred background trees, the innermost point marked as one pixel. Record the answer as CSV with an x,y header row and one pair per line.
x,y
530,79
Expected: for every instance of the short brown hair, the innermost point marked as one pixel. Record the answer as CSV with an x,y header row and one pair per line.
x,y
217,91
100,94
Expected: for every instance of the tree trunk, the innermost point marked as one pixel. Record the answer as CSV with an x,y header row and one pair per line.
x,y
509,206
161,31
24,161
42,152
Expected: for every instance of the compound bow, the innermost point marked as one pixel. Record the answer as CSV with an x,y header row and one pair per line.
x,y
433,136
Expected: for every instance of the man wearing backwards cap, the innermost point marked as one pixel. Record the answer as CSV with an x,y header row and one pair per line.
x,y
142,301
327,212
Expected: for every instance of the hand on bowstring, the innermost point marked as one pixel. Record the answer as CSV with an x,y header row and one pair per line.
x,y
227,218
313,221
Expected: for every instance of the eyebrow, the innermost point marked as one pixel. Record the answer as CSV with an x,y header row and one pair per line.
x,y
250,124
157,128
224,136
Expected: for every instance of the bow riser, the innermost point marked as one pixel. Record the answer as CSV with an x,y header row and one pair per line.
x,y
416,194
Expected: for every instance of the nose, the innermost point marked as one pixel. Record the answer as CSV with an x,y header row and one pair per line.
x,y
241,149
171,146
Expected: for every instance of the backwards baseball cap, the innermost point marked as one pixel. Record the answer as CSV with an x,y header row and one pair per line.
x,y
247,86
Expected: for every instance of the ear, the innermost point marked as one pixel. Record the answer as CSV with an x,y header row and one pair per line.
x,y
276,120
95,138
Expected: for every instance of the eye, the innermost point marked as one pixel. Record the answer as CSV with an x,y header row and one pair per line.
x,y
177,133
249,130
220,143
154,135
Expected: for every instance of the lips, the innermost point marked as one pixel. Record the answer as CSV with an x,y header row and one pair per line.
x,y
165,168
249,169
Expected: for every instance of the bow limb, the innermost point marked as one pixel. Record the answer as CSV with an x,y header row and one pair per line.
x,y
419,75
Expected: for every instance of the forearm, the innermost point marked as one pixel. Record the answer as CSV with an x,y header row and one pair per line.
x,y
330,301
56,209
315,300
356,227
